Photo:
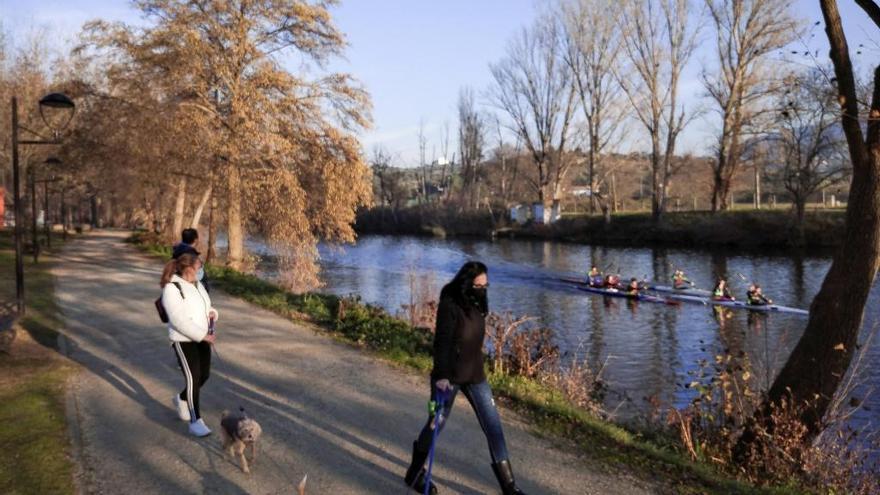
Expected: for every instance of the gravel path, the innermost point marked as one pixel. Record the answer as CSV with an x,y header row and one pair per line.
x,y
327,409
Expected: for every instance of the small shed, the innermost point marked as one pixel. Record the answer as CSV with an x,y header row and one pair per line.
x,y
519,214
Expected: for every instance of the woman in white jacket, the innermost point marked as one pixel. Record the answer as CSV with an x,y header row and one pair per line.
x,y
190,329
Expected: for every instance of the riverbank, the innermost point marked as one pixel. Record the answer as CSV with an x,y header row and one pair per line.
x,y
33,429
742,229
648,455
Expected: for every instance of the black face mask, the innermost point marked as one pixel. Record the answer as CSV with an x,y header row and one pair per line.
x,y
477,296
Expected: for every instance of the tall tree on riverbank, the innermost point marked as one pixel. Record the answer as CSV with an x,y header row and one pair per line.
x,y
659,37
534,88
592,45
282,144
820,360
808,142
746,33
471,141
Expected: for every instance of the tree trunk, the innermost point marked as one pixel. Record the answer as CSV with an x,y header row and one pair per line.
x,y
179,208
235,251
197,216
718,174
93,211
212,231
613,193
800,207
656,180
822,356
757,198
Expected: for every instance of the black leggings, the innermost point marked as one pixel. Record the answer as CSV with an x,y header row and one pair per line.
x,y
194,359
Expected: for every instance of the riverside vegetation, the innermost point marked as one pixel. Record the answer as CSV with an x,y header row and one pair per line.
x,y
685,451
735,228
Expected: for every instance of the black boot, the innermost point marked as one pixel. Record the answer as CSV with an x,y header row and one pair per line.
x,y
415,475
504,473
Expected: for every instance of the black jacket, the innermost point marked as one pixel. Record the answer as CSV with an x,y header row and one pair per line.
x,y
458,342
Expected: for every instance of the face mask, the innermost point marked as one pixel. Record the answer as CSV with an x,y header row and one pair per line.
x,y
200,274
476,296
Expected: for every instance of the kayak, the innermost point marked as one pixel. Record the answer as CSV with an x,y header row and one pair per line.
x,y
689,291
766,308
624,294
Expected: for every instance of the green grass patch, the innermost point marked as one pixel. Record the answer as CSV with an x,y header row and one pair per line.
x,y
649,456
33,426
33,430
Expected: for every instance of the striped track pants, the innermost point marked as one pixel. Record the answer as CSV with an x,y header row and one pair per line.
x,y
194,359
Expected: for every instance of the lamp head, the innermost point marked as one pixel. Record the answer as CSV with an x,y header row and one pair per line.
x,y
57,110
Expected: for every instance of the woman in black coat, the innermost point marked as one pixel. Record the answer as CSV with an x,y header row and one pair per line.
x,y
458,366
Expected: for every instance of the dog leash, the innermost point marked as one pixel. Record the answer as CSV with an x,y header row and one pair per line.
x,y
213,344
435,408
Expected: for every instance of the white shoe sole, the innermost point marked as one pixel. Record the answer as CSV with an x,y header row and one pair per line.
x,y
182,411
199,435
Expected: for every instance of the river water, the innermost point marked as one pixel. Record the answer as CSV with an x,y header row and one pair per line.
x,y
648,350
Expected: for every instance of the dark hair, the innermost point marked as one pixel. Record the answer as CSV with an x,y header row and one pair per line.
x,y
189,236
176,267
461,286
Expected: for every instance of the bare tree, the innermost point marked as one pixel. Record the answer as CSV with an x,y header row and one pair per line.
x,y
658,40
809,140
423,169
592,46
820,360
533,86
746,32
471,141
507,157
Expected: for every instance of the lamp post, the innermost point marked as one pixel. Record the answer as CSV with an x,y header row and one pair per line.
x,y
50,103
32,175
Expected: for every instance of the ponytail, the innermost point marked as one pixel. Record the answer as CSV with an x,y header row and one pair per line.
x,y
169,271
176,267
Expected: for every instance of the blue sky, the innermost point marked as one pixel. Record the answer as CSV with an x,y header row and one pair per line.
x,y
413,56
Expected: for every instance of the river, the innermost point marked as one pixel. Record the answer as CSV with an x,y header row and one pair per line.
x,y
648,350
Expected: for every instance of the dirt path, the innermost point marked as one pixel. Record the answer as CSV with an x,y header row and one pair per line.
x,y
326,409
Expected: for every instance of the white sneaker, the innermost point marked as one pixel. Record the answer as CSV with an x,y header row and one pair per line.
x,y
199,428
182,408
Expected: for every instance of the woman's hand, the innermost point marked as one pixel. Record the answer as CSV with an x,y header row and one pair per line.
x,y
212,314
210,338
442,385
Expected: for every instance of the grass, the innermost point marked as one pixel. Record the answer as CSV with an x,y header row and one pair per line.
x,y
648,456
33,427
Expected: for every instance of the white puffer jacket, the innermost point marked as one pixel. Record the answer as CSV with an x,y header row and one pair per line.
x,y
187,315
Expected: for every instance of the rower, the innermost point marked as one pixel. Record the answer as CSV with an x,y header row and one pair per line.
x,y
679,281
756,296
634,286
612,282
594,278
721,292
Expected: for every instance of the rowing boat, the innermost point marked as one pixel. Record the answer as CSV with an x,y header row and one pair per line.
x,y
689,291
766,308
624,294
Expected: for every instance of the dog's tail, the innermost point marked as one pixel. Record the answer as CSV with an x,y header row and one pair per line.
x,y
224,414
302,485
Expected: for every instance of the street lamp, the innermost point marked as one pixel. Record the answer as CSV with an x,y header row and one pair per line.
x,y
56,106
